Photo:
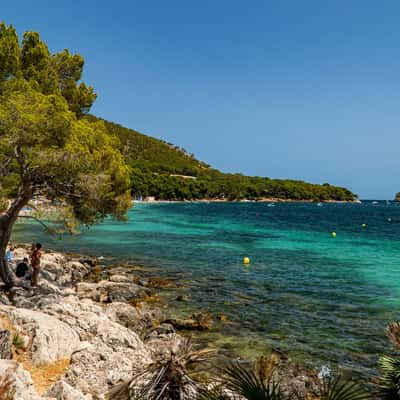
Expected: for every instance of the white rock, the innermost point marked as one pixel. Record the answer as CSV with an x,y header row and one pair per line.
x,y
52,339
63,391
23,384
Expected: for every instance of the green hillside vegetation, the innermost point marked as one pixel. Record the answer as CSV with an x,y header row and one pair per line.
x,y
156,163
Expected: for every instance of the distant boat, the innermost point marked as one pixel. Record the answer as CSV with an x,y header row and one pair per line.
x,y
319,204
375,202
271,205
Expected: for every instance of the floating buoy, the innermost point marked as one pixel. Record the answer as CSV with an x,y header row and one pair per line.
x,y
333,234
389,219
364,225
246,260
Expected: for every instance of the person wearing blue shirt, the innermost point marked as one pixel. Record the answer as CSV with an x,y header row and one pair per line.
x,y
10,255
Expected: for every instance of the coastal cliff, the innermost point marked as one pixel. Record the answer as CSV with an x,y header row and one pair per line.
x,y
397,197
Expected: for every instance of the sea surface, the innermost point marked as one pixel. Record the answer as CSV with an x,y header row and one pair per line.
x,y
324,300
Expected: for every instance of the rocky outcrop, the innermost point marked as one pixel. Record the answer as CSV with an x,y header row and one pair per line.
x,y
51,338
397,197
108,353
140,320
109,291
162,341
5,346
63,391
94,333
21,381
87,324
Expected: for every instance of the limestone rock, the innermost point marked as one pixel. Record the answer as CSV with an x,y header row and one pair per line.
x,y
63,391
110,352
119,278
111,358
138,320
5,345
397,197
52,339
163,341
92,291
22,382
107,291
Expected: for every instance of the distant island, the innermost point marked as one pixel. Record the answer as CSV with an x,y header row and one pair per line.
x,y
163,171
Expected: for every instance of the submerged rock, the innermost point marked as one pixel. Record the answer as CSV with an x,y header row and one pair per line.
x,y
159,282
182,297
199,321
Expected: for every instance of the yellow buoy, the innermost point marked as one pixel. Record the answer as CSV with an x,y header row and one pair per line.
x,y
246,260
364,225
333,234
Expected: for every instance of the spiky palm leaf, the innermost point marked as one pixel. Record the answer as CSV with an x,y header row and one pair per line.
x,y
164,380
339,388
250,384
389,380
215,393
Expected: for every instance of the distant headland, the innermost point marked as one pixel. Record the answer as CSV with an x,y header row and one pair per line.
x,y
163,171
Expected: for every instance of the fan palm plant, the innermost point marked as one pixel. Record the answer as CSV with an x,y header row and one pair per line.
x,y
164,380
239,383
250,385
389,380
339,388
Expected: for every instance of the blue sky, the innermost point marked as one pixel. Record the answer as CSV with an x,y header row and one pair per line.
x,y
287,89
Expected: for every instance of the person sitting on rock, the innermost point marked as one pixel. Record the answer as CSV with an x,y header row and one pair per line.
x,y
10,255
35,262
22,268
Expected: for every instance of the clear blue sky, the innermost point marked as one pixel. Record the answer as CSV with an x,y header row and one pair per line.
x,y
288,89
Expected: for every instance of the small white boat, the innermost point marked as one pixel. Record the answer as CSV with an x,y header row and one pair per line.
x,y
375,202
319,204
271,205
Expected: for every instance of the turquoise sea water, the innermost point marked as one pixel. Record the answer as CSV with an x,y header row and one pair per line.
x,y
323,300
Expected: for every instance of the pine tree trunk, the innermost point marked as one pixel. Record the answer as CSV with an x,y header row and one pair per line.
x,y
5,271
6,224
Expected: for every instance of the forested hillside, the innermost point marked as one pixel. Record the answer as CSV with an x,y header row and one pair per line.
x,y
168,172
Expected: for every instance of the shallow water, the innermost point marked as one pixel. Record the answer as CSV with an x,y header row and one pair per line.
x,y
324,300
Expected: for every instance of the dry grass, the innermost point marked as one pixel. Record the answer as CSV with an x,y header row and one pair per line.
x,y
43,376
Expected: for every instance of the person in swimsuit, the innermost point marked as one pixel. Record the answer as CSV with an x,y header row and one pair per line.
x,y
35,262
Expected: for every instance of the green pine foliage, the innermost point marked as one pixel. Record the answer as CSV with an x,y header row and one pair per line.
x,y
168,172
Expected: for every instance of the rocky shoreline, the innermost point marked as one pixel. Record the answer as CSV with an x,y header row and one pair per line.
x,y
83,331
